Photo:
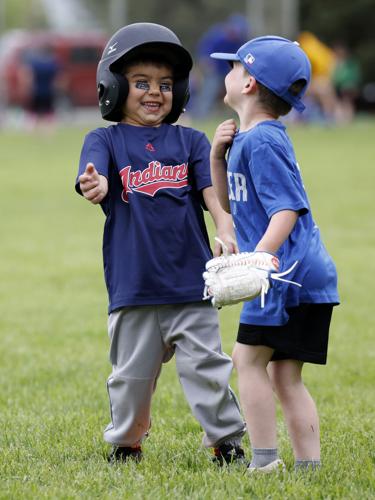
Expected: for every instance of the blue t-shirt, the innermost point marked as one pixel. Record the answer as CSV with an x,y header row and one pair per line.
x,y
155,242
263,179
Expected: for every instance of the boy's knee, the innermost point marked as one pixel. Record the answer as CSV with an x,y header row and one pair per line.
x,y
285,375
250,356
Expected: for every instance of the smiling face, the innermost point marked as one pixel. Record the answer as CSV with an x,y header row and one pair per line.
x,y
150,94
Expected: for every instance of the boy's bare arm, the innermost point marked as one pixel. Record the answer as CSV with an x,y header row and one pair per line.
x,y
279,228
223,222
221,142
94,186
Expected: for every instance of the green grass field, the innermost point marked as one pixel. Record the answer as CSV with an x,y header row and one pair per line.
x,y
53,340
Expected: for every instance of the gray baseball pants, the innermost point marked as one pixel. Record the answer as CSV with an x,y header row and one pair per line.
x,y
142,339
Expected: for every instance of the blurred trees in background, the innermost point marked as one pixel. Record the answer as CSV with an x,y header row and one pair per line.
x,y
188,18
23,14
334,20
344,21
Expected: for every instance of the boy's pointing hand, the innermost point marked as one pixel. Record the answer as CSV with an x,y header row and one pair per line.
x,y
94,186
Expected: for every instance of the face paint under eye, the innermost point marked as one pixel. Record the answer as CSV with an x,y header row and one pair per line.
x,y
142,85
166,87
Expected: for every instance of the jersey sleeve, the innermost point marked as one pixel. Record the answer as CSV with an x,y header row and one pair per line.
x,y
200,161
95,150
277,181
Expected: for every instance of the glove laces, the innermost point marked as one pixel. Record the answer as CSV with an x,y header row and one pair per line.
x,y
277,277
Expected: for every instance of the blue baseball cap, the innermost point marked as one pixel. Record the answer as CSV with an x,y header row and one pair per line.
x,y
276,63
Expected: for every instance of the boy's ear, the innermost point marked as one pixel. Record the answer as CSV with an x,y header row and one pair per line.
x,y
250,85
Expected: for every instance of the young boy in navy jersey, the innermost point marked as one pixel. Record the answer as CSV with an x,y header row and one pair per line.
x,y
152,179
259,182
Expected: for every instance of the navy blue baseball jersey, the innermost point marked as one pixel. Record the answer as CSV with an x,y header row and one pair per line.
x,y
263,179
155,242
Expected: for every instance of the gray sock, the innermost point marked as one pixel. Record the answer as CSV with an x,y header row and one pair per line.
x,y
306,464
263,456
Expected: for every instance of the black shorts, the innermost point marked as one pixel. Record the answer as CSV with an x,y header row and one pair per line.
x,y
304,337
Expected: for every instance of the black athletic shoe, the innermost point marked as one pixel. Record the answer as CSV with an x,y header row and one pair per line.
x,y
124,453
229,454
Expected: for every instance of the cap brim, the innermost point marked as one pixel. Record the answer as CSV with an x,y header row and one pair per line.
x,y
224,56
296,103
300,107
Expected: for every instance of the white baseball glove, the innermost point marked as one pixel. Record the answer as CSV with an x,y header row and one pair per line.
x,y
234,278
260,260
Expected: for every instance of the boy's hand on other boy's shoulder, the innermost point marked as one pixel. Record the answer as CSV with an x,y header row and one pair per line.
x,y
223,139
94,186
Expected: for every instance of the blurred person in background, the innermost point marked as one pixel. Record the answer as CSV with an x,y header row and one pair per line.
x,y
227,36
41,71
321,90
346,79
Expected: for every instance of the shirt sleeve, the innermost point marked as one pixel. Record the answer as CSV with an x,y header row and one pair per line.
x,y
277,181
95,150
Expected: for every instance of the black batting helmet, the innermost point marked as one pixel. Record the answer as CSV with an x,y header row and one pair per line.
x,y
137,41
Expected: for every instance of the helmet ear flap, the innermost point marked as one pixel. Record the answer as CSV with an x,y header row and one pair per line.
x,y
181,97
113,90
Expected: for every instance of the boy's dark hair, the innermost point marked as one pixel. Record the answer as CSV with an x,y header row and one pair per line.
x,y
274,104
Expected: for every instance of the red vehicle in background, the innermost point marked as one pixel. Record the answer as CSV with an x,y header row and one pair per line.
x,y
77,55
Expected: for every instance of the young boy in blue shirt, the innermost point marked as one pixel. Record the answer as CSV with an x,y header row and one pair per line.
x,y
259,183
152,179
